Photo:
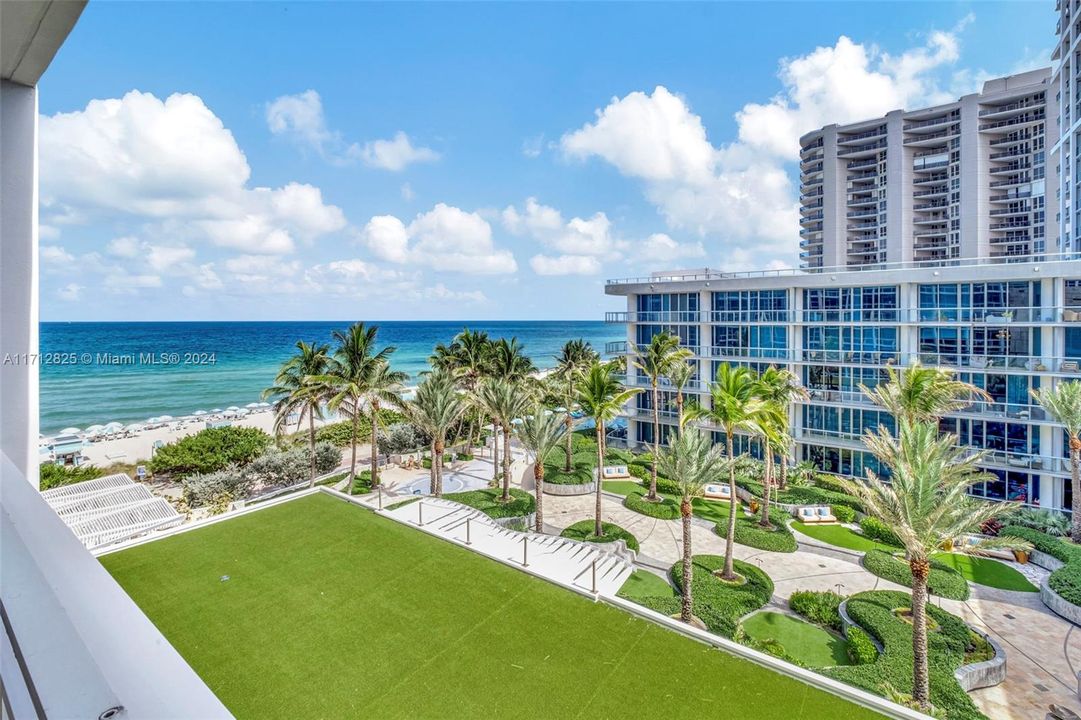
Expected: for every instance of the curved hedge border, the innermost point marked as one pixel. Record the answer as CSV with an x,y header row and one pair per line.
x,y
554,474
487,501
874,612
583,530
751,534
1066,581
802,495
943,581
666,509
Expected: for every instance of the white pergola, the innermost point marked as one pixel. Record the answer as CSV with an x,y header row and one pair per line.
x,y
110,509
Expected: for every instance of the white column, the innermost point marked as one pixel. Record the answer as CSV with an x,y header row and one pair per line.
x,y
19,277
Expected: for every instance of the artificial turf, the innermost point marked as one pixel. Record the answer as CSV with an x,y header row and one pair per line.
x,y
808,643
643,584
841,536
986,571
331,611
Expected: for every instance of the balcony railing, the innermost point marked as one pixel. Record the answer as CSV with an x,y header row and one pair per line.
x,y
673,316
1021,412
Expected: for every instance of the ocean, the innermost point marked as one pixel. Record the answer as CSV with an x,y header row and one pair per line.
x,y
96,373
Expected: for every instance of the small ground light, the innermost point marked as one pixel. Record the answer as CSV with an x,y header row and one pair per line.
x,y
224,578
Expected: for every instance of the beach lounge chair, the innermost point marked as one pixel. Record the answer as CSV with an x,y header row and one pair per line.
x,y
615,472
806,515
717,491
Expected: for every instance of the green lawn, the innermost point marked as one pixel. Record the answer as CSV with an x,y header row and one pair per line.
x,y
985,571
610,532
621,487
642,584
331,611
808,643
841,536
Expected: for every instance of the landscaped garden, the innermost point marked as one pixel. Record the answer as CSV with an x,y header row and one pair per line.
x,y
986,571
943,580
489,502
610,532
841,536
807,644
317,608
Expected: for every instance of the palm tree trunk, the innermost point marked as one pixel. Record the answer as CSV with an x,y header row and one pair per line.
x,y
679,410
431,470
375,445
538,487
784,471
570,444
1075,478
506,463
597,530
921,692
311,447
437,466
767,486
353,456
687,607
495,452
656,441
729,572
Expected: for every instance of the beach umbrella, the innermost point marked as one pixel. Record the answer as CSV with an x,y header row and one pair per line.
x,y
134,427
197,413
216,410
165,418
232,408
252,405
94,429
70,431
113,427
264,404
243,411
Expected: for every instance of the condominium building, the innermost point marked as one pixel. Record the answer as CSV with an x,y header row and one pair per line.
x,y
963,180
1066,88
1007,326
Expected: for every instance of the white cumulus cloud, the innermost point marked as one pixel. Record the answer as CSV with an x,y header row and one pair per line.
x,y
565,265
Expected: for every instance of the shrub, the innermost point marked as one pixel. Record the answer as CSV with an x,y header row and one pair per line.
x,y
861,648
821,608
465,456
426,463
52,475
205,488
400,438
1066,581
209,451
578,475
874,612
943,580
802,495
362,483
750,533
1047,521
639,471
666,509
220,503
610,532
664,485
829,482
488,502
875,529
288,467
843,513
719,604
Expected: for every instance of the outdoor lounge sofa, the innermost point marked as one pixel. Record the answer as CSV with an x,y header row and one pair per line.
x,y
815,514
717,491
615,472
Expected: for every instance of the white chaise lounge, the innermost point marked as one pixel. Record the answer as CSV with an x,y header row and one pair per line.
x,y
615,472
717,491
816,514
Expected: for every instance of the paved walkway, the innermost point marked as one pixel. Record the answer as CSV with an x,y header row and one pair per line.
x,y
1043,650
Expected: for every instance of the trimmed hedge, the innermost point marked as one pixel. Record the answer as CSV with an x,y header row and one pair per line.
x,y
750,533
578,475
843,513
821,608
874,612
666,509
861,648
943,580
209,451
487,501
718,604
801,495
1066,581
875,529
583,530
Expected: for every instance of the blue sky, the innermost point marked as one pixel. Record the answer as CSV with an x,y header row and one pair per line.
x,y
459,161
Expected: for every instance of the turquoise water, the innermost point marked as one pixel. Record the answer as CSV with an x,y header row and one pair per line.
x,y
207,365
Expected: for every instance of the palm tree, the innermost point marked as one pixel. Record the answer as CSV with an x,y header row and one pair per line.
x,y
679,376
469,358
654,362
509,361
601,397
922,393
436,407
925,502
736,406
691,461
296,390
349,376
782,388
773,432
504,401
384,386
1063,403
573,360
541,431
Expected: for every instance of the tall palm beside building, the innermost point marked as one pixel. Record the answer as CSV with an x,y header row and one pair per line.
x,y
782,389
679,376
736,406
654,362
925,502
1063,403
437,408
540,432
602,397
921,393
296,391
574,358
355,376
690,461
